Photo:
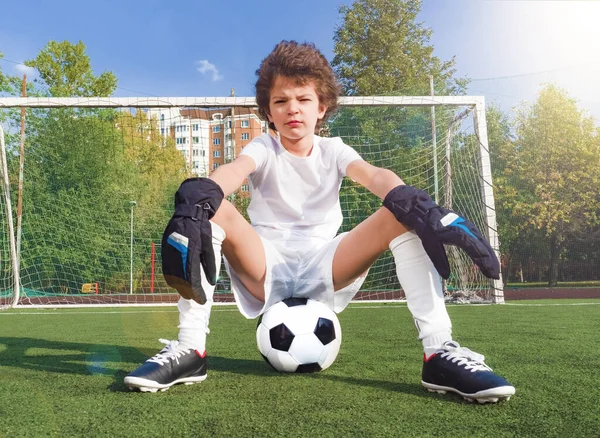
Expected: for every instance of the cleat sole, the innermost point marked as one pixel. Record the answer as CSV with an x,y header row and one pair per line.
x,y
144,385
493,395
439,391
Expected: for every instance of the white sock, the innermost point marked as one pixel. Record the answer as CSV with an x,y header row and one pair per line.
x,y
423,289
194,317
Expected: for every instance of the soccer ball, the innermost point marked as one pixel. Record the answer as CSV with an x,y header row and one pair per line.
x,y
299,335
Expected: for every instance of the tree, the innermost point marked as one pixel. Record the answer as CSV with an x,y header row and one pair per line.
x,y
81,173
380,49
66,70
3,79
551,175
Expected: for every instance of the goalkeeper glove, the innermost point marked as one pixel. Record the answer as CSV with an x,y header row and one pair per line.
x,y
437,226
187,241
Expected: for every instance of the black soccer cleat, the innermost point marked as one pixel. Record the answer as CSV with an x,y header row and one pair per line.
x,y
460,370
173,364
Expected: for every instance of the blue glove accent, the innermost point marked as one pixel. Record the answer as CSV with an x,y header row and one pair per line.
x,y
458,222
177,241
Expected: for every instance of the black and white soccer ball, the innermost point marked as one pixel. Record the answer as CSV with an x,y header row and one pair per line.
x,y
299,335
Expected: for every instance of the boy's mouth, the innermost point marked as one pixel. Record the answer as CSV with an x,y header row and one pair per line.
x,y
293,123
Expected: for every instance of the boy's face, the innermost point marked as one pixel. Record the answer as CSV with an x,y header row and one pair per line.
x,y
294,109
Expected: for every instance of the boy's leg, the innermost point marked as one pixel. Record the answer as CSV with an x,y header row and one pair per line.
x,y
422,286
447,366
244,251
184,361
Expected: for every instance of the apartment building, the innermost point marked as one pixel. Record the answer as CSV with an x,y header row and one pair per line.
x,y
209,138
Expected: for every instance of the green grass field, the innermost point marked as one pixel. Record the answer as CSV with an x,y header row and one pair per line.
x,y
61,374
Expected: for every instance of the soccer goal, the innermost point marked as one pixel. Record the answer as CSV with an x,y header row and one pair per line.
x,y
88,186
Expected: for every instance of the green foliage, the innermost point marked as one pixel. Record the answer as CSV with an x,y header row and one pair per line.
x,y
546,178
380,49
82,169
3,79
66,70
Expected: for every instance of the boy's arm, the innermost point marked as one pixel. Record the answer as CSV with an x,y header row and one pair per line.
x,y
375,179
231,175
435,225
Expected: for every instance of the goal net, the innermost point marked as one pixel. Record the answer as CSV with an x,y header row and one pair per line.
x,y
84,207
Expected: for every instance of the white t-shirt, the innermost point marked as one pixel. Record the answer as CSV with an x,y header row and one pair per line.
x,y
295,200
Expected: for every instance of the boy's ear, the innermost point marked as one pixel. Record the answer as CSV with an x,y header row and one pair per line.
x,y
322,110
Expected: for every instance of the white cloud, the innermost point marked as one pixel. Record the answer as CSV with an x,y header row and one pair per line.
x,y
23,69
206,67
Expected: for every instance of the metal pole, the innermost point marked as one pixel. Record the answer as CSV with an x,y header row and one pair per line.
x,y
436,187
131,204
21,166
9,217
485,169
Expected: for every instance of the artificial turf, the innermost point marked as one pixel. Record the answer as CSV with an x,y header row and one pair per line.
x,y
61,374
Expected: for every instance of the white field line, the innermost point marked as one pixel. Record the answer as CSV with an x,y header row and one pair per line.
x,y
226,307
219,307
551,304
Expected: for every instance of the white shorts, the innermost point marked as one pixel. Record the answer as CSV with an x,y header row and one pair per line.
x,y
304,274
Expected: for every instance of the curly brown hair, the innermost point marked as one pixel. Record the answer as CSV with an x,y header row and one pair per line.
x,y
303,63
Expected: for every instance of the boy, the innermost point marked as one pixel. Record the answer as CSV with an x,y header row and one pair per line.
x,y
291,248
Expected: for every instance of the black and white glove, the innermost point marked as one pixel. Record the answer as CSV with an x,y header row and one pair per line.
x,y
437,226
187,241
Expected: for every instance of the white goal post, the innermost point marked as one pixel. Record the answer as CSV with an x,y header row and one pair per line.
x,y
96,187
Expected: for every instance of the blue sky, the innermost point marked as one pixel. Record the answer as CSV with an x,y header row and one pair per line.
x,y
204,48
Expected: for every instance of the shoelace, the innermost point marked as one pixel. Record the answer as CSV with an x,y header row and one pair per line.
x,y
171,351
464,357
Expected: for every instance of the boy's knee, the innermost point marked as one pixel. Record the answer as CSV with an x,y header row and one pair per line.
x,y
226,214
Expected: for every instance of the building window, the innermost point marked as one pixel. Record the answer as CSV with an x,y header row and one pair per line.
x,y
245,123
196,127
162,131
229,124
162,117
196,164
196,140
228,137
245,188
216,154
217,128
215,165
216,141
245,136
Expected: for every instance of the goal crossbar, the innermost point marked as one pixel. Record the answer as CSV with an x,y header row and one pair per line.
x,y
168,102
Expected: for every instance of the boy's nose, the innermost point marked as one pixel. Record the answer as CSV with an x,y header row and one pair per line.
x,y
292,108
